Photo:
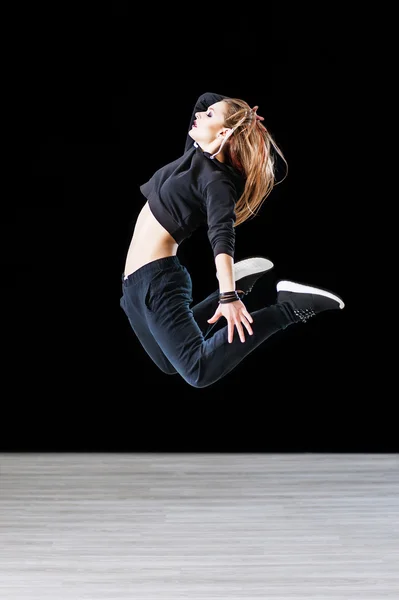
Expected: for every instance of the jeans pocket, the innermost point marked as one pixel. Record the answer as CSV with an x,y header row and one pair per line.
x,y
168,290
153,292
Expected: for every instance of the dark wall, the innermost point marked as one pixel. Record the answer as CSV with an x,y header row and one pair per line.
x,y
75,376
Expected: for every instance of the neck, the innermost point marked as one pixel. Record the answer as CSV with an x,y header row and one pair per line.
x,y
212,148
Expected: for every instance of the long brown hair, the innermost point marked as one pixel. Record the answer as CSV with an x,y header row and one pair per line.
x,y
251,150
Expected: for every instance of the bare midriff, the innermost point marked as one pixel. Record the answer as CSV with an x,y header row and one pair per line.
x,y
150,241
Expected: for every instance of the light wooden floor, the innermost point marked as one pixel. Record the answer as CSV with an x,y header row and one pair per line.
x,y
199,526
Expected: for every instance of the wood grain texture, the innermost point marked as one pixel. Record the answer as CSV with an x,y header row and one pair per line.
x,y
199,526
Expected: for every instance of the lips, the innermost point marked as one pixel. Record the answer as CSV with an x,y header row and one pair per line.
x,y
195,124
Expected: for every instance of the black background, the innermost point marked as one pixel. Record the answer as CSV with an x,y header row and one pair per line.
x,y
74,376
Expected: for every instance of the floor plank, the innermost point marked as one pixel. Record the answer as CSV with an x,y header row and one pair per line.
x,y
199,526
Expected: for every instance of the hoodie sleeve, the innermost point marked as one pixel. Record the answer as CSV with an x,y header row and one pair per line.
x,y
221,199
203,102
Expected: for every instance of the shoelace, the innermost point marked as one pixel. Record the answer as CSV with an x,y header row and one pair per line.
x,y
304,314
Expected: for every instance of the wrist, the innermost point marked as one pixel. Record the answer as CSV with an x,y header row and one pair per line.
x,y
230,296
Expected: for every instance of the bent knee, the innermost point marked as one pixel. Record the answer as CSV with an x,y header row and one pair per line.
x,y
196,382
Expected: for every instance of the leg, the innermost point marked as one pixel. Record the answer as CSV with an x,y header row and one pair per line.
x,y
162,293
204,311
132,309
172,323
247,272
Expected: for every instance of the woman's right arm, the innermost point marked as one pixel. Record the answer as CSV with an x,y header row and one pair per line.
x,y
202,104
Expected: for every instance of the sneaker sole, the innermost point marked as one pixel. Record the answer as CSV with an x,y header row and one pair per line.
x,y
292,286
251,266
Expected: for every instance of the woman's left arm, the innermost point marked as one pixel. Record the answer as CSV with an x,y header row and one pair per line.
x,y
220,203
225,272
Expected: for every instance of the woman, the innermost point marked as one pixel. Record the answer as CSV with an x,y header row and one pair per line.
x,y
225,173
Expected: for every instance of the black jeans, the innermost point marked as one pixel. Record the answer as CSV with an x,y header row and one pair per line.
x,y
157,301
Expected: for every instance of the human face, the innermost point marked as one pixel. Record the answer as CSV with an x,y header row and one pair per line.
x,y
209,125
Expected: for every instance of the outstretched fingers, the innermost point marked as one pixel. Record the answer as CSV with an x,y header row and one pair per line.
x,y
246,320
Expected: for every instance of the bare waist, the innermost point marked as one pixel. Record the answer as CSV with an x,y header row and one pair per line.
x,y
150,241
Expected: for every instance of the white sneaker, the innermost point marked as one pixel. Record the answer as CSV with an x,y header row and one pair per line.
x,y
249,270
306,301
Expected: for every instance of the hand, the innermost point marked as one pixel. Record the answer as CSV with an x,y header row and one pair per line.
x,y
236,315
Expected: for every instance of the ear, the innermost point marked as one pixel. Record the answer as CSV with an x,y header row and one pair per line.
x,y
225,133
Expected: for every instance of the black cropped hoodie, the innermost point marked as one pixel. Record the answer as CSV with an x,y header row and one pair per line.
x,y
197,190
